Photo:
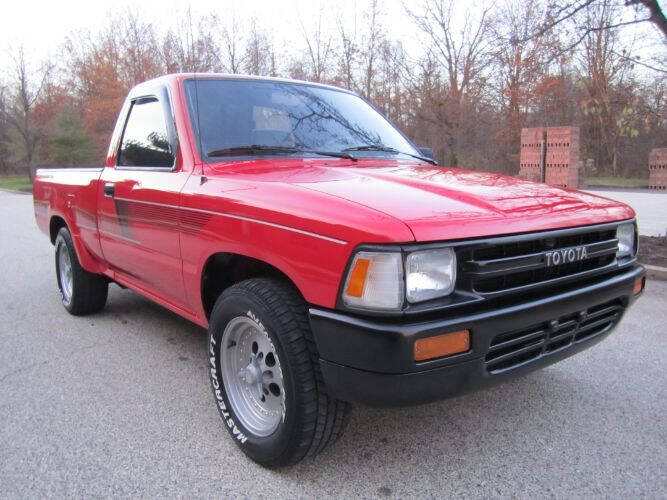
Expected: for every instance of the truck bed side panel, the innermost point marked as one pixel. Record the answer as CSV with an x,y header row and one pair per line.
x,y
71,194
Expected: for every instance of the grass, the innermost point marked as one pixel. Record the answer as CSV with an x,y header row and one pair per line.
x,y
616,182
15,182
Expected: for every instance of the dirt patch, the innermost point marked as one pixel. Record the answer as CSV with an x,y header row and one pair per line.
x,y
653,250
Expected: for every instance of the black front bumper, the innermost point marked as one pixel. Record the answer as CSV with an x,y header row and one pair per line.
x,y
371,360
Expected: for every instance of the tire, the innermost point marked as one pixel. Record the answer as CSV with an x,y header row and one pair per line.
x,y
81,292
264,321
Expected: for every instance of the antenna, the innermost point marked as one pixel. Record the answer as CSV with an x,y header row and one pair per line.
x,y
201,150
194,71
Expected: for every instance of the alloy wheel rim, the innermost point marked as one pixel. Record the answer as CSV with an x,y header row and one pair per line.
x,y
65,272
252,376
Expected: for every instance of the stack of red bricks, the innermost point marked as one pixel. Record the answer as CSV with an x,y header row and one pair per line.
x,y
562,165
529,162
657,168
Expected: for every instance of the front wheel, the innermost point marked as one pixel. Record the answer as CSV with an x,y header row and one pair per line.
x,y
265,374
81,292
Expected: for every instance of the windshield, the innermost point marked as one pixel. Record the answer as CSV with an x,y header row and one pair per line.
x,y
240,118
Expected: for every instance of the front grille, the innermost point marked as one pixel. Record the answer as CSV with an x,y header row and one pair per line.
x,y
496,268
513,349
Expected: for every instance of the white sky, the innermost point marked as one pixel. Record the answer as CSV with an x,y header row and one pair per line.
x,y
41,26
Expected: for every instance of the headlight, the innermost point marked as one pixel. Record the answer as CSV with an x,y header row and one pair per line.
x,y
626,239
375,281
430,274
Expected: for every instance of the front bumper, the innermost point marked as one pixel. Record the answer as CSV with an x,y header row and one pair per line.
x,y
371,361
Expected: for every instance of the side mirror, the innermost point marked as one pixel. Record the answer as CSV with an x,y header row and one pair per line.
x,y
426,152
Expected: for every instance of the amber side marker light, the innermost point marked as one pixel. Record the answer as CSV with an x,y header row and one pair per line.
x,y
639,285
442,345
355,286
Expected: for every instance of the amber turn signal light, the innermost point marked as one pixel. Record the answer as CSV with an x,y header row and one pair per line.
x,y
639,285
442,345
355,286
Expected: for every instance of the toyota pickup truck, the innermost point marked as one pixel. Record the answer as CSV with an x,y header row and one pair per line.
x,y
331,260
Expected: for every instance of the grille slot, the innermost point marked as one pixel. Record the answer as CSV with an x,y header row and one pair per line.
x,y
513,349
498,268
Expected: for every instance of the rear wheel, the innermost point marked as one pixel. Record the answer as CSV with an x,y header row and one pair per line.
x,y
265,374
81,292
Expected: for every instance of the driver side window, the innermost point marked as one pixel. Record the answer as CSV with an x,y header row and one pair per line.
x,y
145,142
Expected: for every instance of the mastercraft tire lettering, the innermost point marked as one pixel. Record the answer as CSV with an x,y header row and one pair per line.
x,y
265,374
217,391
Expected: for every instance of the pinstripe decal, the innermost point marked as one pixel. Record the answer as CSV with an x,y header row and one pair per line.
x,y
87,228
193,220
114,235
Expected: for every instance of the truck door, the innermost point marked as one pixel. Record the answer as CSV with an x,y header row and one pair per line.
x,y
139,199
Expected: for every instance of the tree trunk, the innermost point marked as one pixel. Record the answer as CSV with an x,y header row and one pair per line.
x,y
614,162
29,159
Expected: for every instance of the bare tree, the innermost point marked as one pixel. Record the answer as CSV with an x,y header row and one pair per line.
x,y
371,47
481,74
390,93
521,65
260,57
231,55
561,11
565,13
519,61
4,132
349,49
606,78
319,46
655,13
360,51
25,90
463,53
138,44
191,47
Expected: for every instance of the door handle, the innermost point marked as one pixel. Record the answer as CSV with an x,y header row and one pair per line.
x,y
109,189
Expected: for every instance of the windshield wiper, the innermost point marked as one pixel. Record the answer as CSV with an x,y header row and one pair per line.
x,y
387,149
264,149
254,148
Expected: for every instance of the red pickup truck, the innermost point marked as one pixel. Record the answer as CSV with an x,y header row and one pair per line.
x,y
331,260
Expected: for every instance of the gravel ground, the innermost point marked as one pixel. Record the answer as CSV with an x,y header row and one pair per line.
x,y
653,250
118,404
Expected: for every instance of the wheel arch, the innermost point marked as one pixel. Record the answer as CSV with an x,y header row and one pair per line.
x,y
86,259
56,223
224,269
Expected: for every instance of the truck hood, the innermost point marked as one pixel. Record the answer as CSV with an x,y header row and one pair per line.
x,y
439,203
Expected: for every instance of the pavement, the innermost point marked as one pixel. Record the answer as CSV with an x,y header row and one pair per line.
x,y
118,404
650,206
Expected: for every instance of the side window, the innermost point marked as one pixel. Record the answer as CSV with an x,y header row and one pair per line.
x,y
145,142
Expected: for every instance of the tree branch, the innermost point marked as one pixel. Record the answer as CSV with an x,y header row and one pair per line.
x,y
637,61
548,27
618,25
657,15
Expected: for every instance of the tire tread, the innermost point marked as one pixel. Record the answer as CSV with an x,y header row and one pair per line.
x,y
90,290
322,416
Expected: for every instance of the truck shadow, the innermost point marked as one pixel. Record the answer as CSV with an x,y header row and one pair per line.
x,y
161,325
474,430
518,421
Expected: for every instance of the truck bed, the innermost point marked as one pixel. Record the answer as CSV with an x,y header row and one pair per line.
x,y
70,194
